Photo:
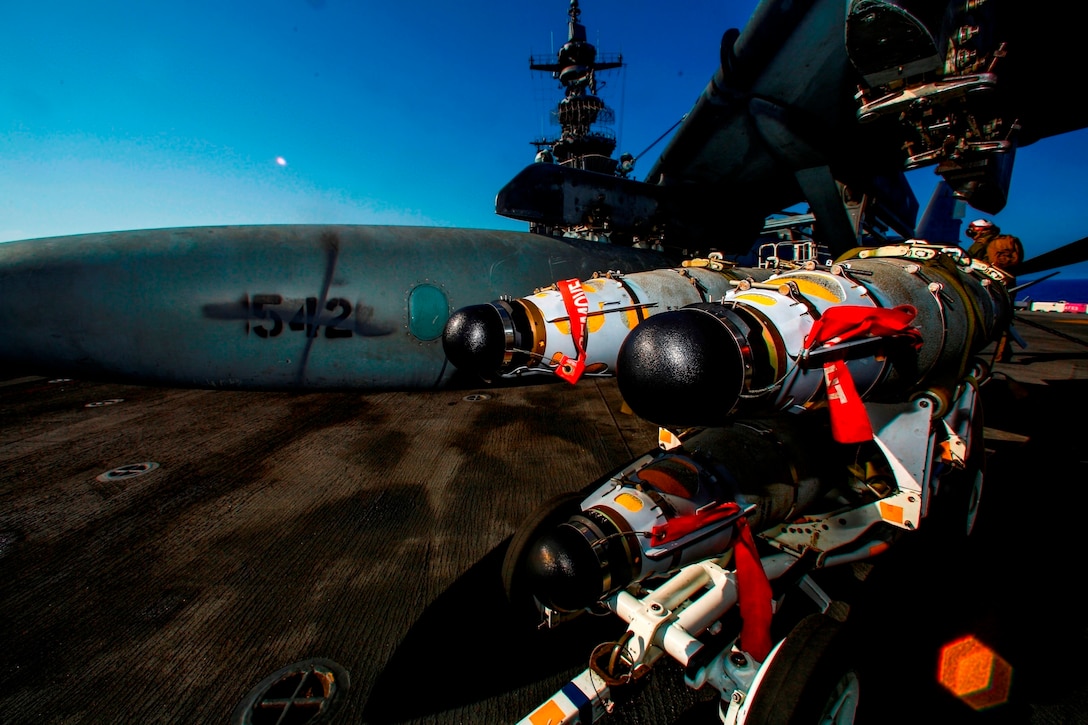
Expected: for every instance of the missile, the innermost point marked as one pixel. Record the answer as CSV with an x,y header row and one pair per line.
x,y
576,327
270,307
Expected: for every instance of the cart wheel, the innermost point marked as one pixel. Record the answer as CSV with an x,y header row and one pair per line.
x,y
547,516
810,679
955,508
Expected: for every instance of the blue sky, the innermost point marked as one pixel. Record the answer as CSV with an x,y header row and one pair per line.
x,y
128,115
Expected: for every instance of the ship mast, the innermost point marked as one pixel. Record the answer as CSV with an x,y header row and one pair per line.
x,y
585,140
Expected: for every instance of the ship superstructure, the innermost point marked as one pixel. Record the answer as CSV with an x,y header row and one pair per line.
x,y
586,139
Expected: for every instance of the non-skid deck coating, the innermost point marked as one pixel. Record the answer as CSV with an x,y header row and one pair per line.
x,y
369,529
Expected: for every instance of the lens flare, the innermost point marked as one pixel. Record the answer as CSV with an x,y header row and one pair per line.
x,y
975,673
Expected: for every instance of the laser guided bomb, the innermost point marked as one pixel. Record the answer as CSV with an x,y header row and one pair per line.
x,y
891,322
575,328
809,418
900,325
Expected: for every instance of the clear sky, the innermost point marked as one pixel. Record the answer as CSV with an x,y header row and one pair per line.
x,y
127,115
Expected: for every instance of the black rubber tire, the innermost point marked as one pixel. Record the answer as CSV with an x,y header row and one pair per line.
x,y
547,515
806,677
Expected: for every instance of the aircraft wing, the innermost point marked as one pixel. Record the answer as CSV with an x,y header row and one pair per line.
x,y
775,125
813,91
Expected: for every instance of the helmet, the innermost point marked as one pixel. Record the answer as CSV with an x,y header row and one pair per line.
x,y
979,225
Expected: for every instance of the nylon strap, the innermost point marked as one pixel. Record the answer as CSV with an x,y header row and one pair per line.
x,y
753,595
849,419
574,299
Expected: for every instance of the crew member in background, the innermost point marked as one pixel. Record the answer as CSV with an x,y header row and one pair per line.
x,y
980,232
989,245
1003,251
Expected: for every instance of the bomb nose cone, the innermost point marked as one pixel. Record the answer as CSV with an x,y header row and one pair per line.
x,y
563,571
683,368
475,340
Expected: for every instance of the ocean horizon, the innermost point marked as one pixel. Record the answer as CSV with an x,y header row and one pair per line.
x,y
1055,289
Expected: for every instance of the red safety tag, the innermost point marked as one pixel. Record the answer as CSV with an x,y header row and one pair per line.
x,y
849,419
574,299
849,322
753,595
680,526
